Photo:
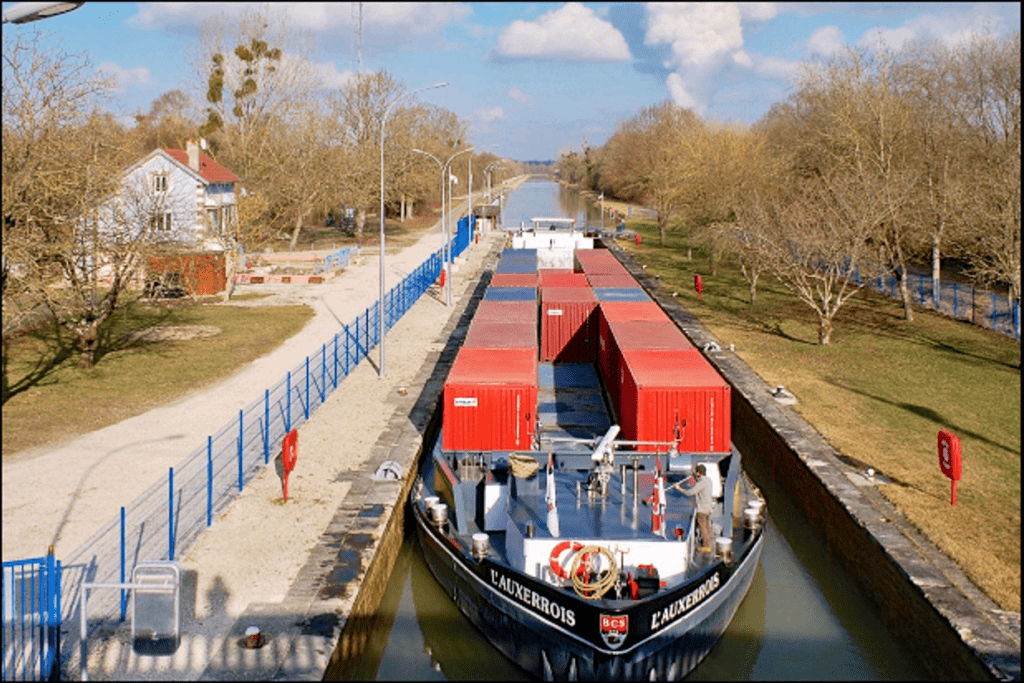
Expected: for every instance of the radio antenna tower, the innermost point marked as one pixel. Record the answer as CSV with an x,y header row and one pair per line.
x,y
360,37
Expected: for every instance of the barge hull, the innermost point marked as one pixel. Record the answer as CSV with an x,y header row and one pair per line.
x,y
543,649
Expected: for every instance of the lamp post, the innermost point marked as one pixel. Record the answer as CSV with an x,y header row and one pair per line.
x,y
448,270
445,233
24,12
383,122
440,167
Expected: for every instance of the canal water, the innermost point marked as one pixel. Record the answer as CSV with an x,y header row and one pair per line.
x,y
803,619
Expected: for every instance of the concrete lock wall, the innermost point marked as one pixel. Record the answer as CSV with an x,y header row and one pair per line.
x,y
919,593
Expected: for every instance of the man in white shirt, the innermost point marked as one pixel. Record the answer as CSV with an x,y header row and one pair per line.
x,y
701,489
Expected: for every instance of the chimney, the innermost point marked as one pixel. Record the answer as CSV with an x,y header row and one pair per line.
x,y
193,154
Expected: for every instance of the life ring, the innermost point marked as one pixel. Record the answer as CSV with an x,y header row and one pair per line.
x,y
556,554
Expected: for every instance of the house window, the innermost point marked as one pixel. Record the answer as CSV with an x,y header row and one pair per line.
x,y
162,222
160,182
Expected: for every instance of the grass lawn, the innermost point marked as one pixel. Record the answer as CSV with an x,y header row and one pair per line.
x,y
132,377
880,392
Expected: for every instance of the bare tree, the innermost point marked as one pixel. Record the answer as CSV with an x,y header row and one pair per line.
x,y
172,119
857,121
254,73
420,126
813,241
647,160
989,78
359,107
68,248
939,147
739,176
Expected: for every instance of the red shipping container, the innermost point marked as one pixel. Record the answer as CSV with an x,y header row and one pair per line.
x,y
551,277
612,311
506,311
607,353
615,337
495,334
596,261
514,280
674,396
623,279
568,324
490,400
648,334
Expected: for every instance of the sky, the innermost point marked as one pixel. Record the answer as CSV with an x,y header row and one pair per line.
x,y
531,80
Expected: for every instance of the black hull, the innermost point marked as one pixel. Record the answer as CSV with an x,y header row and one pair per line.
x,y
546,649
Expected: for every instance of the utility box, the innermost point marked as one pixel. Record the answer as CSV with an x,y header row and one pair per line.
x,y
156,608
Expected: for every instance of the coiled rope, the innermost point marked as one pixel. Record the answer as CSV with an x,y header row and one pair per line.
x,y
604,581
522,466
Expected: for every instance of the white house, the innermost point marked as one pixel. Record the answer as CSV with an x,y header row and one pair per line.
x,y
191,196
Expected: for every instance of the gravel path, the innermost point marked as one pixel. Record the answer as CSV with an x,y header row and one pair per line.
x,y
254,551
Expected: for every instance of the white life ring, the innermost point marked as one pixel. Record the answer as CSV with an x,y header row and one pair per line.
x,y
556,554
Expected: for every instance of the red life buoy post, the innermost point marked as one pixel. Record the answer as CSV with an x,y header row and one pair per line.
x,y
289,455
949,459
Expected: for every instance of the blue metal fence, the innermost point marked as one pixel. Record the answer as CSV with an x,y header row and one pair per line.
x,y
463,235
959,300
31,611
338,259
166,519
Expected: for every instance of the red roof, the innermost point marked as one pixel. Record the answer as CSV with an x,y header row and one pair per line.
x,y
209,169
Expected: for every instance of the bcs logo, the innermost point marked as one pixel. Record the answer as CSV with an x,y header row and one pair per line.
x,y
614,628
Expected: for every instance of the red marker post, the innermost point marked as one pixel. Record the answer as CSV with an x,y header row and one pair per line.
x,y
949,458
698,285
289,454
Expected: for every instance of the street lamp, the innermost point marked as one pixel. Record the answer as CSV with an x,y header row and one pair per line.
x,y
24,12
383,121
448,292
445,230
440,167
487,170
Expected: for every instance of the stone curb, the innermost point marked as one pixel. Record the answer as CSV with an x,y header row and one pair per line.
x,y
919,574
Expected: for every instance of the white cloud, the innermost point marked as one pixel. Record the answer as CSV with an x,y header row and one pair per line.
x,y
777,68
487,116
680,94
518,95
126,78
826,41
697,32
705,41
382,21
759,11
950,26
330,77
573,32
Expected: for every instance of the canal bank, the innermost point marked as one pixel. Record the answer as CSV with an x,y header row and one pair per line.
x,y
955,631
286,567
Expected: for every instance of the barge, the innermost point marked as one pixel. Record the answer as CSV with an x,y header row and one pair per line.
x,y
553,506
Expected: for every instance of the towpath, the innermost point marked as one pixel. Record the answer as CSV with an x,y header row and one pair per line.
x,y
63,494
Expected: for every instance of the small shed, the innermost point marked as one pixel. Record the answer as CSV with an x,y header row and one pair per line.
x,y
195,274
487,216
